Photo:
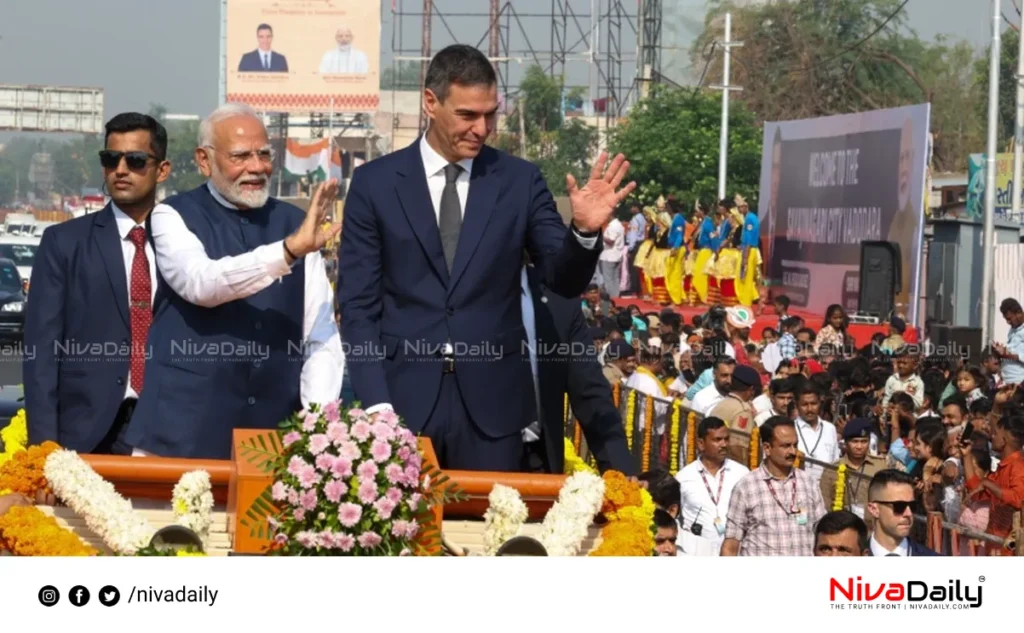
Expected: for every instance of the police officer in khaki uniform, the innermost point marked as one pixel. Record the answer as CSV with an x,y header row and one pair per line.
x,y
860,468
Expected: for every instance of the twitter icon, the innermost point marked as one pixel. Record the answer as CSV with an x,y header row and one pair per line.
x,y
109,596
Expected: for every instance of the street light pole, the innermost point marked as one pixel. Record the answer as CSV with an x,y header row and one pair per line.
x,y
988,242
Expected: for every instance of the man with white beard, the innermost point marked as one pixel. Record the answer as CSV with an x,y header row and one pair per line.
x,y
344,59
241,335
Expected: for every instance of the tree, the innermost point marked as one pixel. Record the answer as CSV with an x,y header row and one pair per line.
x,y
671,139
567,150
405,75
1007,87
812,58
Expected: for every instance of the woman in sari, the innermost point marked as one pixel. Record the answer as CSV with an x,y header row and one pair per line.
x,y
677,257
692,232
708,241
727,268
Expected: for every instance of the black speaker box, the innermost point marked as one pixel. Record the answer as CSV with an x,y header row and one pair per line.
x,y
967,342
880,278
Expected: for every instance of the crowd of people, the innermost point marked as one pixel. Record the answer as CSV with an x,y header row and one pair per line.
x,y
667,258
916,428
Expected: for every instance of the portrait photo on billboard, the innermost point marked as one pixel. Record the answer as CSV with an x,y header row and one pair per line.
x,y
302,56
833,183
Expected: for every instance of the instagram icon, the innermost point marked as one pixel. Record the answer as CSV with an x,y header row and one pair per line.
x,y
49,596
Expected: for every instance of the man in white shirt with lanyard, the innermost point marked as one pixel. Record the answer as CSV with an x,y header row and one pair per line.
x,y
705,489
817,438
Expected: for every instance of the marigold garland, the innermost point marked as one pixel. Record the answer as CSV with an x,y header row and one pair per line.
x,y
616,395
24,472
629,510
755,447
573,462
691,437
630,416
840,492
28,531
673,447
645,455
577,436
799,461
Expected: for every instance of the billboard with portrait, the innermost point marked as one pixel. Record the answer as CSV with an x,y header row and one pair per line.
x,y
831,183
303,55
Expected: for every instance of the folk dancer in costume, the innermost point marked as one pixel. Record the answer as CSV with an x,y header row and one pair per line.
x,y
677,258
727,266
646,290
748,282
692,232
713,232
656,264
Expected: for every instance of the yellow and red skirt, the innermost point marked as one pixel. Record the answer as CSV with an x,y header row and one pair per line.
x,y
639,261
703,280
689,292
748,289
656,269
727,270
674,276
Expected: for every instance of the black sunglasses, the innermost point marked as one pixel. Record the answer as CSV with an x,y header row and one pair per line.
x,y
898,507
135,160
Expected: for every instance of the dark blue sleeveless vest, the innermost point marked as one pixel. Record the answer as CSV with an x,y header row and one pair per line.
x,y
238,365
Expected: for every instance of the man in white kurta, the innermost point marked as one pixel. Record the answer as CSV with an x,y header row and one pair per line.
x,y
345,59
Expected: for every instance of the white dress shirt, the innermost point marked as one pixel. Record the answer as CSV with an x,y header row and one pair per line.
x,y
348,60
532,432
821,444
698,506
124,225
433,165
206,282
877,549
650,387
614,242
706,399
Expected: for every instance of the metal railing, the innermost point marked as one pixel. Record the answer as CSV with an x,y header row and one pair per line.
x,y
675,446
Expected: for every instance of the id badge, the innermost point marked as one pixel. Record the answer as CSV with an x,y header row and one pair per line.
x,y
801,517
720,526
857,509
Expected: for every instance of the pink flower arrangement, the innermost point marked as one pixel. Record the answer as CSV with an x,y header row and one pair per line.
x,y
347,483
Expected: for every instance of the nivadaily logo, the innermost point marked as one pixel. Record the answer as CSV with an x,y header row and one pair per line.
x,y
913,594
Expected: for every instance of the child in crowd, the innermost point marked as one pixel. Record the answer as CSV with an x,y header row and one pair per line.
x,y
897,327
952,477
969,381
787,342
905,379
974,514
931,449
769,336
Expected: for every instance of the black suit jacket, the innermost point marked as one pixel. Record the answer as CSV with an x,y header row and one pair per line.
x,y
567,363
252,63
916,549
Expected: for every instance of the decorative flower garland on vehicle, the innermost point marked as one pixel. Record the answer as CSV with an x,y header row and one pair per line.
x,y
28,531
192,501
504,517
109,515
566,524
629,510
24,473
574,463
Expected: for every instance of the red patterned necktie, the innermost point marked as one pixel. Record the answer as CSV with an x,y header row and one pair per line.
x,y
140,297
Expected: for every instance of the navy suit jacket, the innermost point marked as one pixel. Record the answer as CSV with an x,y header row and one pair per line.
x,y
400,304
567,364
252,63
77,333
916,549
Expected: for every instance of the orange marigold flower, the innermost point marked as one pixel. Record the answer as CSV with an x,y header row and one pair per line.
x,y
28,531
24,472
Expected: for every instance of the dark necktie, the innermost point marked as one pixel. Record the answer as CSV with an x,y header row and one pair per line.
x,y
266,61
891,554
139,298
450,220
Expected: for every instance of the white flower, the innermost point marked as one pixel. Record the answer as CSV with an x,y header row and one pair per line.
x,y
566,524
503,518
107,513
192,501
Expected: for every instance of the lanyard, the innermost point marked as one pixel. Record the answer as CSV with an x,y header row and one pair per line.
x,y
721,481
821,431
860,480
792,501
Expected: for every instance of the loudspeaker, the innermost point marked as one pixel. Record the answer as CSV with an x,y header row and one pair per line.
x,y
967,341
880,277
940,335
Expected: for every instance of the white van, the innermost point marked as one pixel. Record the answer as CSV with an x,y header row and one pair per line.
x,y
22,251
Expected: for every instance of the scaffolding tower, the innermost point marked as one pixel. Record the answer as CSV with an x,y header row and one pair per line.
x,y
606,47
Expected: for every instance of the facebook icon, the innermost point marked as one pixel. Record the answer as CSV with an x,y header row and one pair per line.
x,y
79,596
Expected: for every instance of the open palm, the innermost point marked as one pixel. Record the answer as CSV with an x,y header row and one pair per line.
x,y
315,233
594,203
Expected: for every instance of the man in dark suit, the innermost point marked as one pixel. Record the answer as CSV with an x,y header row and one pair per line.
x,y
92,290
890,503
564,361
263,60
431,255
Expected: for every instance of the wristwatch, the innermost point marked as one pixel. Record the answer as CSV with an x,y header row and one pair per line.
x,y
583,233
